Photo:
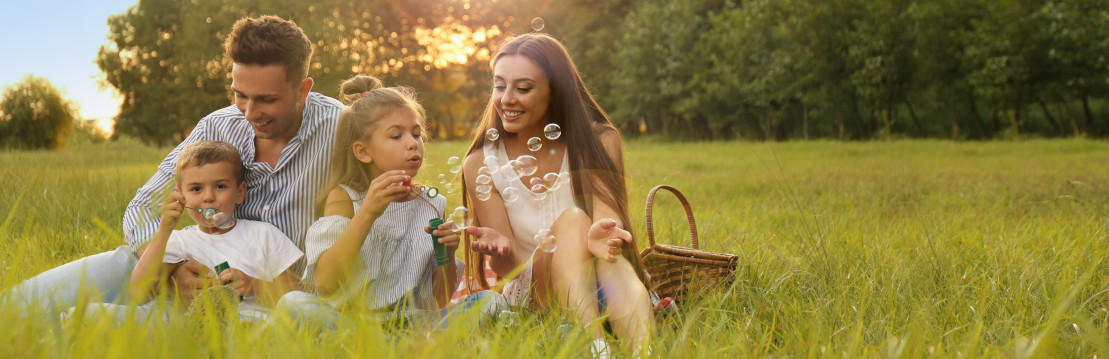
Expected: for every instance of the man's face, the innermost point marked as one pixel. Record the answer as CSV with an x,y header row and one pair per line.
x,y
272,105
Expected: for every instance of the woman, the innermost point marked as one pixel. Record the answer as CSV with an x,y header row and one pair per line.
x,y
594,261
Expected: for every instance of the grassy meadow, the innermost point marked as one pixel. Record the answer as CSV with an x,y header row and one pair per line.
x,y
872,249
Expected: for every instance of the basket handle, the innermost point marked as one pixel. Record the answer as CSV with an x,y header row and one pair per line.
x,y
685,204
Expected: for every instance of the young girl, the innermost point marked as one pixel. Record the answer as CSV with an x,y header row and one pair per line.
x,y
595,261
370,249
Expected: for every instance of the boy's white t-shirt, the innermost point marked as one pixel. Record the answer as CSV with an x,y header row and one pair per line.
x,y
258,249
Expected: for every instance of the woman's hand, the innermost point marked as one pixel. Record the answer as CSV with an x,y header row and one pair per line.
x,y
386,188
489,242
605,239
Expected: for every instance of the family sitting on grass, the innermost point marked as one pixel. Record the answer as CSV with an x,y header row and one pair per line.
x,y
286,169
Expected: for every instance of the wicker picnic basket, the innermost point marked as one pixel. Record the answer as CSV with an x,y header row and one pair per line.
x,y
677,272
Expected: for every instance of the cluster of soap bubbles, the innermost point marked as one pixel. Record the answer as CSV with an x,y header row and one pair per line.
x,y
215,218
523,166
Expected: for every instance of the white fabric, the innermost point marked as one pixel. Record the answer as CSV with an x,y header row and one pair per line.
x,y
527,215
258,249
396,263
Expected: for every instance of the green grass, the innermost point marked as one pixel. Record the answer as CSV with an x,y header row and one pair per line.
x,y
878,249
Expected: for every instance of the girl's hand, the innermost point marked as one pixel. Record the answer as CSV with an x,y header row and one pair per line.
x,y
385,189
171,209
605,239
489,242
447,235
238,281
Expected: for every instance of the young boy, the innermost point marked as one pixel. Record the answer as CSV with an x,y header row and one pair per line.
x,y
259,256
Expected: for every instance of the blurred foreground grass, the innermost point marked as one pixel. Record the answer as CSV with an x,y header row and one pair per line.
x,y
885,249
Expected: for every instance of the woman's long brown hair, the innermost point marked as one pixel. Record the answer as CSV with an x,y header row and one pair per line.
x,y
583,122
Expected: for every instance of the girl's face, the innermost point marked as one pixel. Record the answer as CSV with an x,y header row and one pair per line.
x,y
396,143
211,185
521,94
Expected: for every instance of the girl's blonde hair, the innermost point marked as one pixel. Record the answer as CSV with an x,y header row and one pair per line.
x,y
367,102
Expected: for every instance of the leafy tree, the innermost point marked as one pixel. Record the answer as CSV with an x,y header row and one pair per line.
x,y
35,115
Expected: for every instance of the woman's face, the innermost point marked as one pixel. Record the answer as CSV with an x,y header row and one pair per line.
x,y
521,94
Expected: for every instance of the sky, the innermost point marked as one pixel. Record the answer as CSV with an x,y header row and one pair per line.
x,y
58,40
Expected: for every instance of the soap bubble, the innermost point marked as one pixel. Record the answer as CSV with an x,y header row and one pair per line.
x,y
450,187
539,196
454,164
484,188
442,178
509,171
526,165
546,240
564,177
492,134
483,179
535,143
552,131
534,181
431,192
510,194
491,164
550,177
227,224
538,24
215,218
484,196
508,318
461,218
538,187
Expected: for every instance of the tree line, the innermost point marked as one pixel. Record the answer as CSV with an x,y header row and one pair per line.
x,y
696,69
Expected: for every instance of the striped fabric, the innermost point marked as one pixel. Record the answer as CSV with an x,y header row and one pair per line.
x,y
283,195
396,263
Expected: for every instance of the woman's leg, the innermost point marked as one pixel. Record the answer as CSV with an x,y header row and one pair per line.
x,y
629,304
572,273
567,276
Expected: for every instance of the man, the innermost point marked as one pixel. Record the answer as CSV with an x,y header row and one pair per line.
x,y
285,134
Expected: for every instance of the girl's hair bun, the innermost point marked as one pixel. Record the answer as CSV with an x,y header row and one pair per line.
x,y
353,89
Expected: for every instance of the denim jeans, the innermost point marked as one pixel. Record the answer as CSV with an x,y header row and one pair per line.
x,y
100,277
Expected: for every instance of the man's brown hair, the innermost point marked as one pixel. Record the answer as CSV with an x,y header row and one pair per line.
x,y
270,40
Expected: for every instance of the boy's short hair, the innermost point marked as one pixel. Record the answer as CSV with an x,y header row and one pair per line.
x,y
270,40
204,152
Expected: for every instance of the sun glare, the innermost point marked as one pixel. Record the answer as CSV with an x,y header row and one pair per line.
x,y
453,43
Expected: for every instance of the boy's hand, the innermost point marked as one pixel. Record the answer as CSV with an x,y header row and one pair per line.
x,y
242,284
385,189
489,242
190,278
448,236
172,208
